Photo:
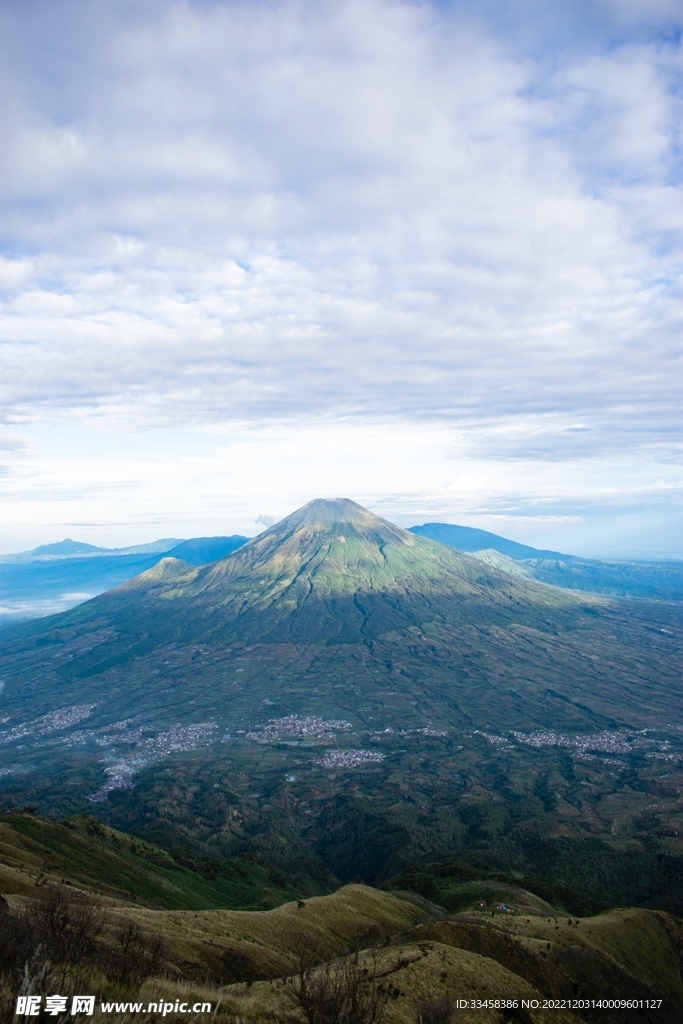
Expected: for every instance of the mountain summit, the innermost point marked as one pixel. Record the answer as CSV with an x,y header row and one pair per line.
x,y
328,536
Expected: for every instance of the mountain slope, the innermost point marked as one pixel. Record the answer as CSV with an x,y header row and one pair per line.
x,y
84,854
200,550
333,574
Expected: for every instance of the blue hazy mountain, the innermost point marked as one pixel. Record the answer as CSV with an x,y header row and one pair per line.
x,y
65,547
465,538
662,580
79,549
201,550
54,577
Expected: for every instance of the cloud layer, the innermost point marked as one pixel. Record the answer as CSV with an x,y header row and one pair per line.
x,y
450,214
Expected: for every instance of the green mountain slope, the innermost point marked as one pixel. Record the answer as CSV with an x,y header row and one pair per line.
x,y
83,854
494,650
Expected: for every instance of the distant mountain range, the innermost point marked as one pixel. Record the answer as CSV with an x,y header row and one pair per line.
x,y
54,577
660,580
207,549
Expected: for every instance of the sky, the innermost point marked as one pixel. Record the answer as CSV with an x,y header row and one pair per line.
x,y
423,255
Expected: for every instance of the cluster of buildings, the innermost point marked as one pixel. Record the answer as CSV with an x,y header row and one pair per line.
x,y
349,758
299,728
64,718
155,748
606,742
428,731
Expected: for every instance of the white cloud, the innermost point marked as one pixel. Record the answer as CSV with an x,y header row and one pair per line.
x,y
442,217
113,490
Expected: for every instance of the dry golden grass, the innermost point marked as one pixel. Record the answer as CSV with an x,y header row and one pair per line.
x,y
643,943
414,971
354,916
472,955
623,953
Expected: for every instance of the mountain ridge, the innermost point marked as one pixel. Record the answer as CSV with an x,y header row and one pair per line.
x,y
467,538
647,578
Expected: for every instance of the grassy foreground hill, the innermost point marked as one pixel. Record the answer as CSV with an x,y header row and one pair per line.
x,y
522,962
484,952
153,937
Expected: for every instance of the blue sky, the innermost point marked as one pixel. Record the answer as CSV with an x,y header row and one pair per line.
x,y
427,256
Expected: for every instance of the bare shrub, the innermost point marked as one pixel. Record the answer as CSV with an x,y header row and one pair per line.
x,y
136,954
48,946
54,931
343,991
66,929
53,945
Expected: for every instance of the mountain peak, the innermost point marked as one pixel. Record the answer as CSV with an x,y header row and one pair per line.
x,y
331,510
167,568
335,517
65,547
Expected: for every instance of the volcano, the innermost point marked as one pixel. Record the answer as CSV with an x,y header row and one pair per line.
x,y
332,572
